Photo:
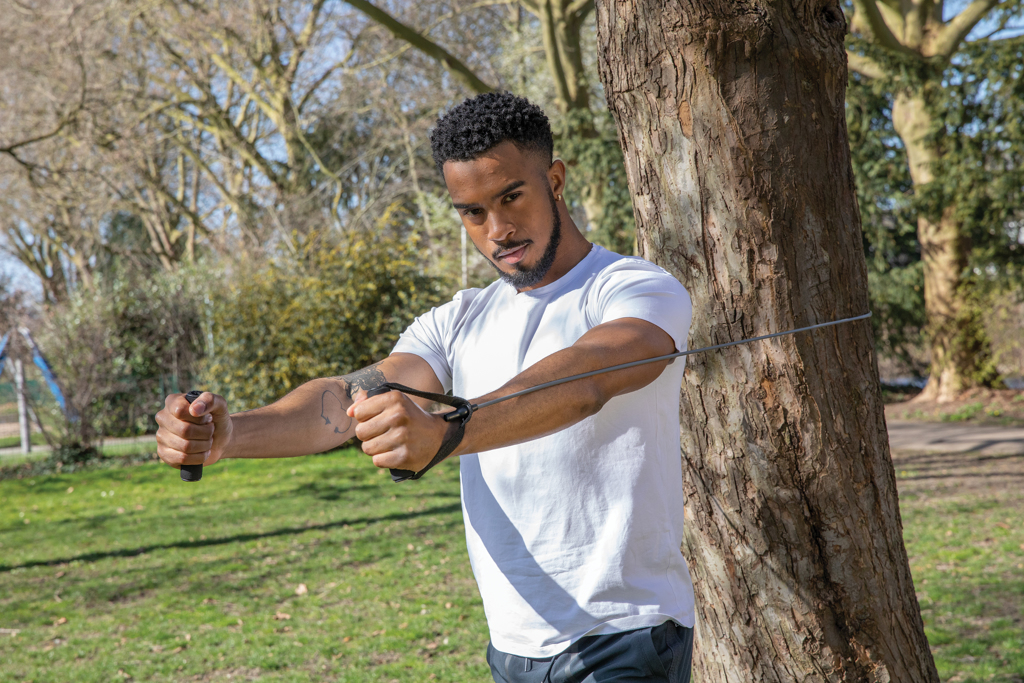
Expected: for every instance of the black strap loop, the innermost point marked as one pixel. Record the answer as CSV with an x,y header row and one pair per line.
x,y
458,417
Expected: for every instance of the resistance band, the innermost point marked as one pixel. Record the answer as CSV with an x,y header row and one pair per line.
x,y
464,409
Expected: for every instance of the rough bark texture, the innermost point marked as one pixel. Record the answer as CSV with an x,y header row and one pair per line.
x,y
731,119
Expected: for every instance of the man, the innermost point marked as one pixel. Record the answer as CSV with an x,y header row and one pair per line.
x,y
571,495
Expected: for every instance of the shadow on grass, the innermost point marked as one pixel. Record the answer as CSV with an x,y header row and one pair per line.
x,y
286,531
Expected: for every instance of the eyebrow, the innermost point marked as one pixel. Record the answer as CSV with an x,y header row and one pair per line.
x,y
504,191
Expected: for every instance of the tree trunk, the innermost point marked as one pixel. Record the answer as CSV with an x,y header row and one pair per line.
x,y
732,121
957,351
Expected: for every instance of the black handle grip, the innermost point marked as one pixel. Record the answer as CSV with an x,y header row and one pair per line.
x,y
396,475
192,472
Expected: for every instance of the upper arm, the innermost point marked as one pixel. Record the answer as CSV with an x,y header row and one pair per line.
x,y
624,340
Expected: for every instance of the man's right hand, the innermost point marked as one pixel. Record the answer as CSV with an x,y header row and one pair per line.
x,y
193,434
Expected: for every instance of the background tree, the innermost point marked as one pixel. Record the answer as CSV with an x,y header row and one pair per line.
x,y
734,132
915,53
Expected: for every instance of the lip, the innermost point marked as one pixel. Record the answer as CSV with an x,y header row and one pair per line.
x,y
513,256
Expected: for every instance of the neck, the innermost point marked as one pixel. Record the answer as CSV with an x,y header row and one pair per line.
x,y
573,248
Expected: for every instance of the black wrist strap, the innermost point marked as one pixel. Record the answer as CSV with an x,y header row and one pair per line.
x,y
453,437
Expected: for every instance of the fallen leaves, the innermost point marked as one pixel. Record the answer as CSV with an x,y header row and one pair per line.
x,y
61,621
281,616
301,589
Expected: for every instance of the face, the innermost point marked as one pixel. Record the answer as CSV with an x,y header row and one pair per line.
x,y
506,199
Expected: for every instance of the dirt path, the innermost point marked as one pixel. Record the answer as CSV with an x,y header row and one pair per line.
x,y
955,438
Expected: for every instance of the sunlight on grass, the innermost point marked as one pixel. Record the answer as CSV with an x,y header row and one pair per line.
x,y
967,559
130,572
321,569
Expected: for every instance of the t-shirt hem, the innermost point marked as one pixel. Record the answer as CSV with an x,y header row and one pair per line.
x,y
620,625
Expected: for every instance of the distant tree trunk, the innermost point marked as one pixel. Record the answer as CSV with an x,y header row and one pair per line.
x,y
732,121
958,354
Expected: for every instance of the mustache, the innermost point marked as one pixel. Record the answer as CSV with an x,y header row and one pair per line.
x,y
508,246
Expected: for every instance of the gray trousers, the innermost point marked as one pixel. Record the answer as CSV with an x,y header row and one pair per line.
x,y
661,654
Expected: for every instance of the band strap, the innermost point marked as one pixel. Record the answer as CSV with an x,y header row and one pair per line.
x,y
458,417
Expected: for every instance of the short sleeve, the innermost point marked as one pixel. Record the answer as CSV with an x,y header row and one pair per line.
x,y
634,288
429,338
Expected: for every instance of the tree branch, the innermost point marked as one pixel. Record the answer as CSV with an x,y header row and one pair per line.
x,y
584,7
954,32
874,26
428,47
865,66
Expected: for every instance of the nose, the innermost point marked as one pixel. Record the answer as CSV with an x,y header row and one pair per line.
x,y
499,229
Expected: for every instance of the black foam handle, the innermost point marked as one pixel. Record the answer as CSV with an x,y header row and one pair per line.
x,y
192,472
396,475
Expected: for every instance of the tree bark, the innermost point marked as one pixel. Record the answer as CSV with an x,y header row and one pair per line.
x,y
956,353
732,122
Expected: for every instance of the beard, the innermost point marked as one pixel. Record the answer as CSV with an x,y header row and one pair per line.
x,y
524,276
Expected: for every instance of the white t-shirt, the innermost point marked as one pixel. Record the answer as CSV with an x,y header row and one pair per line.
x,y
579,532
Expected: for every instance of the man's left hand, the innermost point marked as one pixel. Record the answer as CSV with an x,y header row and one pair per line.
x,y
396,432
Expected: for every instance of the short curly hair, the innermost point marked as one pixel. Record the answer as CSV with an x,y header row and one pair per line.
x,y
485,121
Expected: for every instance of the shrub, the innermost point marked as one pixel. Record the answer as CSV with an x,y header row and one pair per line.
x,y
317,309
116,348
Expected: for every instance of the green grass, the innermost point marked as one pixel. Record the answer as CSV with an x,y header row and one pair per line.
x,y
11,441
965,413
166,581
120,449
967,560
161,580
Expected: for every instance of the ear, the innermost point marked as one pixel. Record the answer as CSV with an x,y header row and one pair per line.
x,y
556,177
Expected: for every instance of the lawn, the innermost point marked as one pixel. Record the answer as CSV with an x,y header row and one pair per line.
x,y
963,523
307,569
321,569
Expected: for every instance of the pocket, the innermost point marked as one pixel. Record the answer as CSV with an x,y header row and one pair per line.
x,y
650,643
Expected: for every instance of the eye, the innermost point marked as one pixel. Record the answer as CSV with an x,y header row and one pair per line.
x,y
471,212
509,197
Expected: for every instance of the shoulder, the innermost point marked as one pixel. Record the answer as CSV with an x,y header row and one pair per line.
x,y
630,287
632,273
465,304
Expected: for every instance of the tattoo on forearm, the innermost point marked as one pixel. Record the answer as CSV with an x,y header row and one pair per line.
x,y
333,412
365,379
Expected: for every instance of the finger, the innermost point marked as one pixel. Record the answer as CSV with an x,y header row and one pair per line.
x,y
374,428
177,443
176,458
183,428
390,460
178,407
394,439
210,404
365,408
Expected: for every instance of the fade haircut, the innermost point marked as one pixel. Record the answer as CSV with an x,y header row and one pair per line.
x,y
485,121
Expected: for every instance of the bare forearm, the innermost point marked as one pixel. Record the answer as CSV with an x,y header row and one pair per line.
x,y
310,419
550,410
532,416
